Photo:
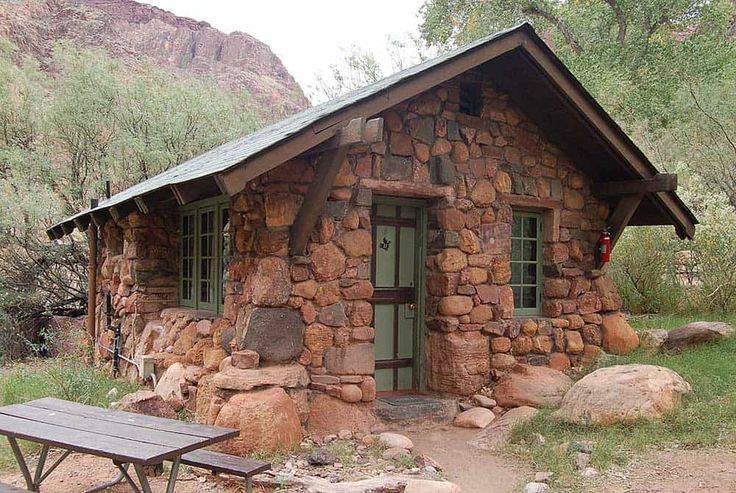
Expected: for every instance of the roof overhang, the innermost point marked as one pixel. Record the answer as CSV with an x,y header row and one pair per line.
x,y
517,60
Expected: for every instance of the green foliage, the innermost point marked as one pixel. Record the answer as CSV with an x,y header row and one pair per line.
x,y
706,418
666,70
64,378
644,269
62,137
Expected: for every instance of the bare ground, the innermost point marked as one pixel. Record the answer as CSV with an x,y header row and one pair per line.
x,y
672,471
471,469
80,472
668,471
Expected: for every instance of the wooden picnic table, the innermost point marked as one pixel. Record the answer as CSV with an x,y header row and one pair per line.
x,y
124,438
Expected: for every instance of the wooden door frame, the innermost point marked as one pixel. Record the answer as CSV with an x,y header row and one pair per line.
x,y
419,369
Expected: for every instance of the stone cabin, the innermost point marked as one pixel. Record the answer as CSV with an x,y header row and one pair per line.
x,y
421,234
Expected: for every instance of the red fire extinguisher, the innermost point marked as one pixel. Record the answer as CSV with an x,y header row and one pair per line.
x,y
603,247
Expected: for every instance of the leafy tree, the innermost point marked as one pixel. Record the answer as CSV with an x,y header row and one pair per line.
x,y
62,136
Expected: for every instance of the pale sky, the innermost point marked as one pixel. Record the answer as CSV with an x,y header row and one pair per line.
x,y
307,35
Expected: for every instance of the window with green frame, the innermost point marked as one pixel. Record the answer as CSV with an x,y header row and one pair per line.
x,y
526,262
204,252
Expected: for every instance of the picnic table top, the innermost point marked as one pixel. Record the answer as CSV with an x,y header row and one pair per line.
x,y
121,436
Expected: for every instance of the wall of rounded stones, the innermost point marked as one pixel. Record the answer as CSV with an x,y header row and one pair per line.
x,y
314,312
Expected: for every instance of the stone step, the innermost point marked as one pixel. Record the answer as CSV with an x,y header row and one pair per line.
x,y
415,408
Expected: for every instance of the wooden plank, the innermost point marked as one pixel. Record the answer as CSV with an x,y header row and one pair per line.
x,y
200,189
140,202
224,463
661,182
358,131
103,427
621,215
117,449
315,199
99,217
82,223
67,227
140,420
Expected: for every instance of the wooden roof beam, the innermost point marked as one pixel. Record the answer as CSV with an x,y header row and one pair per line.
x,y
358,131
319,189
661,182
621,215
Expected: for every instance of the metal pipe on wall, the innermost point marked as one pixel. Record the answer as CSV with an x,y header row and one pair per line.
x,y
92,280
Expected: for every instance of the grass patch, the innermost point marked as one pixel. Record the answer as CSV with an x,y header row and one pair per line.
x,y
706,418
66,378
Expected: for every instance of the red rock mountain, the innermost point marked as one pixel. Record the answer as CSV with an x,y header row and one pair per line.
x,y
136,33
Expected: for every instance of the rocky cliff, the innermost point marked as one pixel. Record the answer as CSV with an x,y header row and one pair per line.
x,y
138,34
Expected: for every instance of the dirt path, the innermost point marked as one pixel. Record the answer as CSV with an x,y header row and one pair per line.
x,y
80,472
473,470
672,471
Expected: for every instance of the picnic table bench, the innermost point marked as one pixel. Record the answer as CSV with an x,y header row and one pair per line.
x,y
124,438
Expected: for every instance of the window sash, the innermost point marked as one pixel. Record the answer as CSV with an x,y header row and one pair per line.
x,y
526,257
202,255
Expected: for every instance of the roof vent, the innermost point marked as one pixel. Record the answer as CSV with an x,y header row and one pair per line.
x,y
470,98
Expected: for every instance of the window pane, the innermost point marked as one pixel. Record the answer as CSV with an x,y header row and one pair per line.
x,y
408,212
516,273
207,257
517,296
529,297
529,250
516,227
515,249
186,258
525,261
530,274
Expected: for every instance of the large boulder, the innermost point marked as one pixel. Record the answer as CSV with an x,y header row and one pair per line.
x,y
146,402
618,336
496,435
623,394
534,386
696,333
267,420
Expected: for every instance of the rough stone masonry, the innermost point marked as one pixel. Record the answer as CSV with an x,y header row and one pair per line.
x,y
309,318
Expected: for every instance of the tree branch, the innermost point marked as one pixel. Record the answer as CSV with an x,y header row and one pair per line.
x,y
620,20
534,11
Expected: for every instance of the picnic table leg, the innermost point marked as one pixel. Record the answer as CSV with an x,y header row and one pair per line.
x,y
22,463
173,474
142,478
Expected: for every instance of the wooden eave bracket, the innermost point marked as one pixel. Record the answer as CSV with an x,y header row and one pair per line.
x,y
622,214
661,182
357,131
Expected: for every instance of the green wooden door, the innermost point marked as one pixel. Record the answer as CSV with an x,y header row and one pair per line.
x,y
396,277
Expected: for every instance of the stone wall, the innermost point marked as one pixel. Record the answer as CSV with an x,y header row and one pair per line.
x,y
309,317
